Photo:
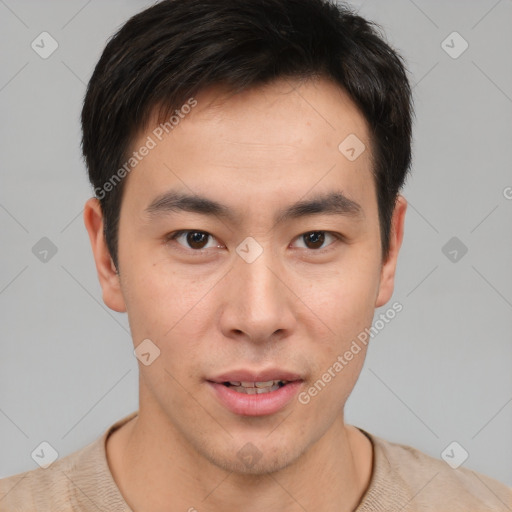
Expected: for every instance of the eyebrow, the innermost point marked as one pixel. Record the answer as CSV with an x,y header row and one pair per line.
x,y
332,203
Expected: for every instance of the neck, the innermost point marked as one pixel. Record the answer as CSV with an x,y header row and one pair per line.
x,y
156,470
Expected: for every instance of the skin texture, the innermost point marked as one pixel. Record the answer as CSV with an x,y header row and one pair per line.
x,y
296,307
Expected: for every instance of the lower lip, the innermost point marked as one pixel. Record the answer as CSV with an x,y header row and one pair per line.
x,y
255,405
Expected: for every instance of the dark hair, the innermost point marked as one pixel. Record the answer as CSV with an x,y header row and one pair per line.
x,y
169,52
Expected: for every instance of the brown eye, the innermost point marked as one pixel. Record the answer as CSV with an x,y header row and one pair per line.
x,y
190,239
314,239
197,239
317,241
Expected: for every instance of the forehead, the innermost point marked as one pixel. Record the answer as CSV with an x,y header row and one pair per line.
x,y
270,142
285,112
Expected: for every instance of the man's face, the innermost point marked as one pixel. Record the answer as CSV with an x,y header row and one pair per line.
x,y
245,293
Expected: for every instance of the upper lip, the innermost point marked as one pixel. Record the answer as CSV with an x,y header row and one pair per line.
x,y
256,376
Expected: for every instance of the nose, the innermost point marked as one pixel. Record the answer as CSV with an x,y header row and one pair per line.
x,y
257,302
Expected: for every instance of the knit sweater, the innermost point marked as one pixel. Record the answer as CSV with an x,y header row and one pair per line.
x,y
403,479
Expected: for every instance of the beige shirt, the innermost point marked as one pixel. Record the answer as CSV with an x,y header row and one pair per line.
x,y
403,479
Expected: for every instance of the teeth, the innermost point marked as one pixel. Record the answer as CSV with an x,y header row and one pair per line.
x,y
255,390
266,384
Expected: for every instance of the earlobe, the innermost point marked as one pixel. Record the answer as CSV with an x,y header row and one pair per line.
x,y
107,272
387,278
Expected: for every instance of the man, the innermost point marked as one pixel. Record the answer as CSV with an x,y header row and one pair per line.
x,y
247,158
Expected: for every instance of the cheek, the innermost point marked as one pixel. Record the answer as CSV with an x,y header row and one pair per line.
x,y
345,299
166,306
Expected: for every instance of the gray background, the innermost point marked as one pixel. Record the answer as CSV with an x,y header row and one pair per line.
x,y
439,372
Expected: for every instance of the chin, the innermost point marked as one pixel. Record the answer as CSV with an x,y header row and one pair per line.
x,y
253,457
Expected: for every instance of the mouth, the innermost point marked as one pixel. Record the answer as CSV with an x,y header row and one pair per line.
x,y
255,388
255,394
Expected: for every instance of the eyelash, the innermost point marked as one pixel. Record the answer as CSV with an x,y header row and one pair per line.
x,y
198,252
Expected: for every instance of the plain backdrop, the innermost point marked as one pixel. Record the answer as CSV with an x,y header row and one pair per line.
x,y
439,372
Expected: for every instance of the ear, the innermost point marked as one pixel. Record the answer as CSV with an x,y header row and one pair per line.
x,y
107,275
387,276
